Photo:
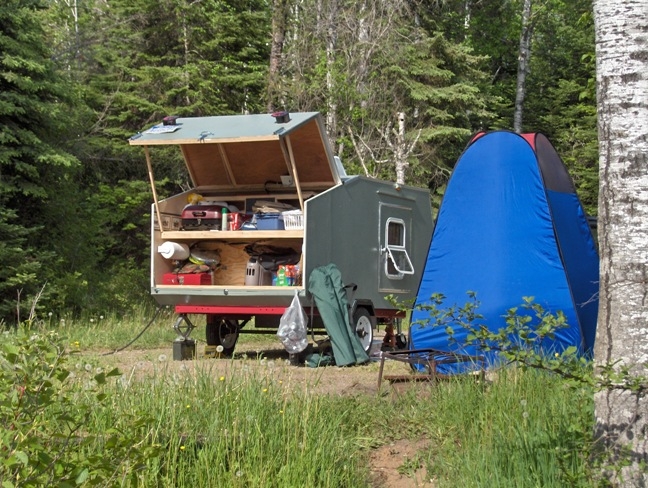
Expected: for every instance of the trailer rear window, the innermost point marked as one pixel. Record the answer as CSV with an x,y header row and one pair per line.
x,y
398,262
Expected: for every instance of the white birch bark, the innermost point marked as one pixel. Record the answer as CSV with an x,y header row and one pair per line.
x,y
331,44
622,333
400,150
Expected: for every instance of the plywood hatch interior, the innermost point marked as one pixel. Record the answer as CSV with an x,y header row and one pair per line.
x,y
246,153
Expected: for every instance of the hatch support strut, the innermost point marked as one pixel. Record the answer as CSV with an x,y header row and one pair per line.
x,y
155,198
288,153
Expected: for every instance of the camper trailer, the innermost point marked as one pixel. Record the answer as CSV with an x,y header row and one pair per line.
x,y
269,204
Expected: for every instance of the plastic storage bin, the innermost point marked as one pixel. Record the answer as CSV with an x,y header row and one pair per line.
x,y
269,221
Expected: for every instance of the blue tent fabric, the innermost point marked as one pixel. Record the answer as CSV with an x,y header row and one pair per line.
x,y
510,226
326,285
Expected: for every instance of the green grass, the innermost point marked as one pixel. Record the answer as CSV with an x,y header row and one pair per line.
x,y
523,429
109,331
240,431
518,429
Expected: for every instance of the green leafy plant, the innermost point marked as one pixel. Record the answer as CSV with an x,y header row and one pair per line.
x,y
526,341
45,408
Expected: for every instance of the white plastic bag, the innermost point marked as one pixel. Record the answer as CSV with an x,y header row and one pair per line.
x,y
292,327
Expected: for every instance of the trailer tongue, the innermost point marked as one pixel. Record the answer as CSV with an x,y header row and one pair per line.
x,y
270,204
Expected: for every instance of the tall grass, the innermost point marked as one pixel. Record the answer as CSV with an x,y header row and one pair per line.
x,y
240,430
522,429
525,428
246,429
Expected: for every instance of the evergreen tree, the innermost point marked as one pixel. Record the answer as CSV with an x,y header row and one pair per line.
x,y
559,95
561,100
32,117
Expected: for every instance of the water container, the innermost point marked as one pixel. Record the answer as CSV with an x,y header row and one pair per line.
x,y
224,220
281,276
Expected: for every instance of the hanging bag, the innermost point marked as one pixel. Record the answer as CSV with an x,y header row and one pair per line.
x,y
292,327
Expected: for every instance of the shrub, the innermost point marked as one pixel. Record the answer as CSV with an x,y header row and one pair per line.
x,y
45,407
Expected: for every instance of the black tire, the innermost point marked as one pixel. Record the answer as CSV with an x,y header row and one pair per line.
x,y
363,326
222,332
401,342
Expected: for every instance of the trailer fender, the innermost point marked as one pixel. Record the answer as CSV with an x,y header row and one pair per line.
x,y
368,306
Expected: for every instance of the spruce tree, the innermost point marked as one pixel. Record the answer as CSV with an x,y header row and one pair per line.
x,y
31,163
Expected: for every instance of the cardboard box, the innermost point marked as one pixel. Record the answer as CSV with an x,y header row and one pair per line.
x,y
187,279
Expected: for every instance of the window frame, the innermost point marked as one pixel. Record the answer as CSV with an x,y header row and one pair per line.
x,y
400,248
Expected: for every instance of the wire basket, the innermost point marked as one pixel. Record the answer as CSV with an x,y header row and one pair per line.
x,y
293,219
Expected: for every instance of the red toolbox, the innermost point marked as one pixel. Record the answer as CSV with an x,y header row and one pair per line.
x,y
202,217
187,279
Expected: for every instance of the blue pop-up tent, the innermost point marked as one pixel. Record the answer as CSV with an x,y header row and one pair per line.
x,y
510,226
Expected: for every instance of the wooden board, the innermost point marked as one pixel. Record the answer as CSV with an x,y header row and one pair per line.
x,y
233,266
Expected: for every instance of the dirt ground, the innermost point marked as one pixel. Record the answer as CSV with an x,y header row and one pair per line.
x,y
265,358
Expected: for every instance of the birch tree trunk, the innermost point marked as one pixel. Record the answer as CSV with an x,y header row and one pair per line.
x,y
331,45
524,56
622,333
400,150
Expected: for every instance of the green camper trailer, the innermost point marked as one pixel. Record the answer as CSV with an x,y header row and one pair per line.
x,y
269,204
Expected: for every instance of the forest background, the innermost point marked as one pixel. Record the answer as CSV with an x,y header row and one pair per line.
x,y
402,85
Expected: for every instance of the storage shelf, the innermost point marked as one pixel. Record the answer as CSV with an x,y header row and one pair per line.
x,y
233,235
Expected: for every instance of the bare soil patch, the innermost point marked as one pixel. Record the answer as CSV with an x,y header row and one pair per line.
x,y
396,465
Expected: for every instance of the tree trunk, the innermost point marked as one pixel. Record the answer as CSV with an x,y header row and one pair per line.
x,y
280,10
401,152
524,56
622,333
331,44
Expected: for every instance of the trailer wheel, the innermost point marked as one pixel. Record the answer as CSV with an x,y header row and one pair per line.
x,y
363,327
221,332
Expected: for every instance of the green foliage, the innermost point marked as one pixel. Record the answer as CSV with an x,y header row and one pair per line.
x,y
561,100
439,81
520,429
417,70
262,424
46,439
20,271
32,105
525,342
75,83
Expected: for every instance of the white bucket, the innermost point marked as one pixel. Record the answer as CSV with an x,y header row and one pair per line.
x,y
174,250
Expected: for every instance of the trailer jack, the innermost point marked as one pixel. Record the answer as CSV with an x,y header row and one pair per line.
x,y
183,347
184,331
